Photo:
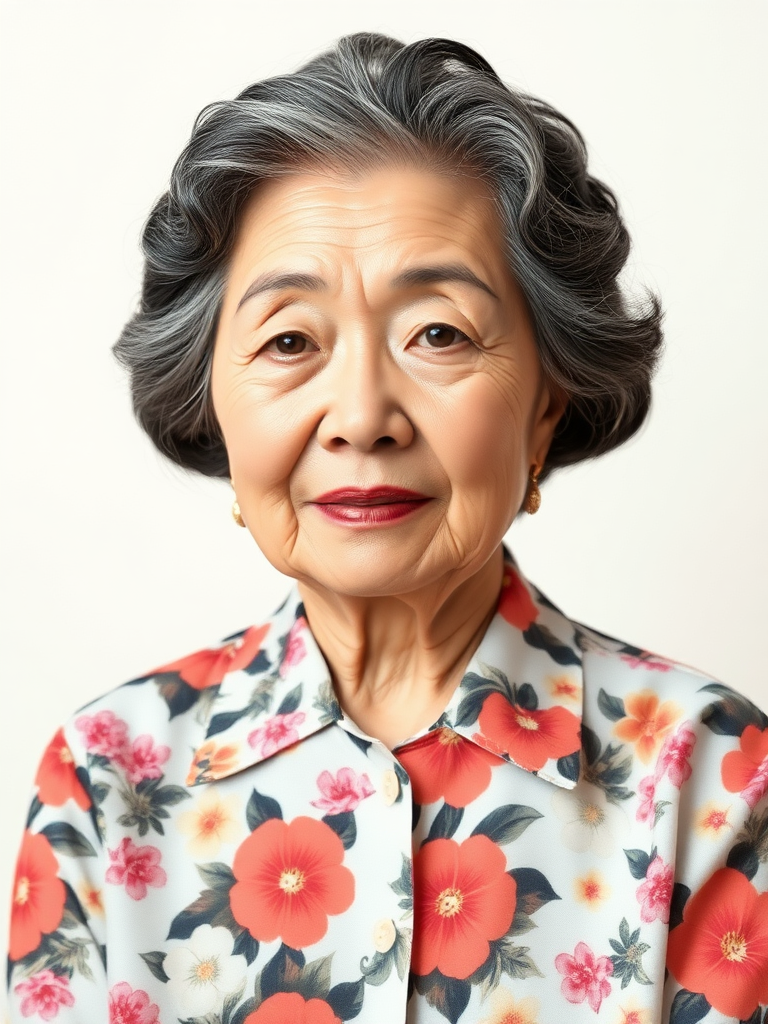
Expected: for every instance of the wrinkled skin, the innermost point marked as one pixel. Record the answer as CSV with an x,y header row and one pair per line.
x,y
359,377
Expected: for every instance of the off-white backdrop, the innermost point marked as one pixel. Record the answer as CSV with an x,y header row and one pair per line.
x,y
114,562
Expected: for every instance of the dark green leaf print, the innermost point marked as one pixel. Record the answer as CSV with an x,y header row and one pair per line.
x,y
680,896
66,839
570,766
504,958
688,1008
447,820
403,886
638,862
533,889
743,857
279,972
507,823
177,694
611,707
344,826
449,996
627,956
146,804
290,702
545,640
346,999
730,715
260,809
154,962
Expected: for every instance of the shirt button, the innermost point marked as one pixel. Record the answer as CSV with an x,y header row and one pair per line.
x,y
384,935
390,787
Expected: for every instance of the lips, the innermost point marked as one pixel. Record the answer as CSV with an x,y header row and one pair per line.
x,y
369,496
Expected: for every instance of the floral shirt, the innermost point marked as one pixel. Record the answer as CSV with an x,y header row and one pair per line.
x,y
582,833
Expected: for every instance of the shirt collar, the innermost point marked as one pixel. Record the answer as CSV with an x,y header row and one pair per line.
x,y
529,655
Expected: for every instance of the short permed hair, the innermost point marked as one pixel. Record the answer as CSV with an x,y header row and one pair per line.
x,y
437,102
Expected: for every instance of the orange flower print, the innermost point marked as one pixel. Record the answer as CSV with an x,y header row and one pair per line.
x,y
721,947
712,819
515,602
444,765
591,890
290,1006
646,722
745,771
212,762
208,667
56,778
564,688
530,738
91,899
290,879
464,898
38,895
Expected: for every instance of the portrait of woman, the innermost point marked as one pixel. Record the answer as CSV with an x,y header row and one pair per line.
x,y
386,299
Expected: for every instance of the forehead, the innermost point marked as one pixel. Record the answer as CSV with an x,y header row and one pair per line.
x,y
326,215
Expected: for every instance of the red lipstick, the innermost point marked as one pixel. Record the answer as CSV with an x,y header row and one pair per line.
x,y
371,506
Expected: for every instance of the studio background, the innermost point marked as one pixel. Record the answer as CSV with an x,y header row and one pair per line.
x,y
114,562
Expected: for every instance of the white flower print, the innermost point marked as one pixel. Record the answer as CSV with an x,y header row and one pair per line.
x,y
202,973
590,822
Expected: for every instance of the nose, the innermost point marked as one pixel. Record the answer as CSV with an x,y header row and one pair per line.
x,y
365,400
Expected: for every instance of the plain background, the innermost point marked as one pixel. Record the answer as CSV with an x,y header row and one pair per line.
x,y
114,562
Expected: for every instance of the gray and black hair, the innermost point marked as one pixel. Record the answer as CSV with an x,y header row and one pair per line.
x,y
439,103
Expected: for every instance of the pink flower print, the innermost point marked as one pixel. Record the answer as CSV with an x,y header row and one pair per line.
x,y
655,893
144,760
295,647
586,976
650,663
44,994
136,867
342,793
103,733
131,1006
646,810
277,732
673,757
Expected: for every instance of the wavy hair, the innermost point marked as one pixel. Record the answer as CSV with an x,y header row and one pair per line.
x,y
439,103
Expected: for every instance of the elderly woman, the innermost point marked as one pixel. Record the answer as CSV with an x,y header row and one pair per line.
x,y
381,297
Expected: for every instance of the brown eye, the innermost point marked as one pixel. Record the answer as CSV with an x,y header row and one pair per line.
x,y
288,344
442,335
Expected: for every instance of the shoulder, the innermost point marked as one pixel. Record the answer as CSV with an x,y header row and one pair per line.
x,y
619,676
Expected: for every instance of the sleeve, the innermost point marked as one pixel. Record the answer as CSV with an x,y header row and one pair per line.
x,y
717,952
57,950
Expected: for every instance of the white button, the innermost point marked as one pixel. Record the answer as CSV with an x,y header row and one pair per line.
x,y
390,787
384,935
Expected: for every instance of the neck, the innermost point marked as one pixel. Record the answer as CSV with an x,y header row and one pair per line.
x,y
396,659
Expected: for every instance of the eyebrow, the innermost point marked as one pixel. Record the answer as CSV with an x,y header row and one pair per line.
x,y
275,281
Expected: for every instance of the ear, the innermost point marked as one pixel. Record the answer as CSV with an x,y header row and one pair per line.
x,y
553,401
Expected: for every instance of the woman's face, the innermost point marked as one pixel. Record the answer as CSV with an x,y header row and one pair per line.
x,y
371,336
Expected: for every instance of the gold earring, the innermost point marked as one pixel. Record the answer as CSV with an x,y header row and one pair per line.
x,y
236,513
533,496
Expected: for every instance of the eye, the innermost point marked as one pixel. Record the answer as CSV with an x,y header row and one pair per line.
x,y
288,345
441,336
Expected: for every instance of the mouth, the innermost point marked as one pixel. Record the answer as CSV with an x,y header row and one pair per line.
x,y
372,506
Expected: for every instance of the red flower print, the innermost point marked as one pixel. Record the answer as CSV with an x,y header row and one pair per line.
x,y
655,893
463,899
342,793
103,733
212,762
721,947
144,760
295,646
674,756
515,603
38,895
131,1006
646,722
290,878
585,976
136,867
745,771
646,809
208,667
529,737
444,765
56,777
44,994
285,1007
277,732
